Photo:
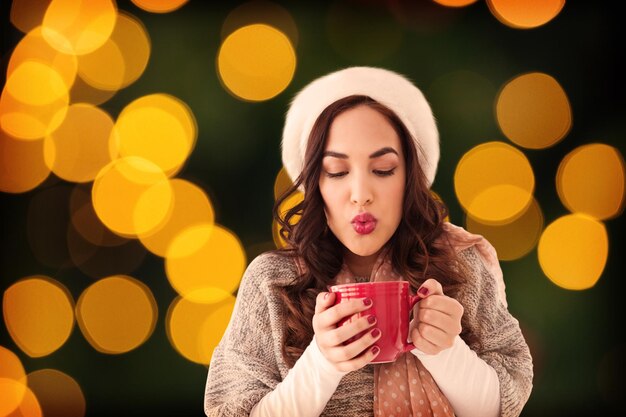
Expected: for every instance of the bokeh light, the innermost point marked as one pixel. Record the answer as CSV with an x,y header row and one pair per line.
x,y
16,154
573,251
203,258
33,47
159,6
281,183
59,395
132,196
533,111
78,27
28,14
290,202
159,128
121,59
494,183
36,84
261,11
10,366
590,180
525,14
12,381
80,147
455,3
86,222
363,31
39,314
30,121
190,206
526,229
116,314
195,329
28,405
256,62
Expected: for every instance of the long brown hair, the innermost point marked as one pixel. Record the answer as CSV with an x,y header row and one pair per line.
x,y
412,252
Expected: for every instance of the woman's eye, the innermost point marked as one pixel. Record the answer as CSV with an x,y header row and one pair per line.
x,y
384,173
335,174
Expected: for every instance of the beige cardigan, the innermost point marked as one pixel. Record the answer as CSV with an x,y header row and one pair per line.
x,y
247,363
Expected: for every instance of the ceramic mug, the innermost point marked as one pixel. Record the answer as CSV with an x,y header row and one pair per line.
x,y
391,305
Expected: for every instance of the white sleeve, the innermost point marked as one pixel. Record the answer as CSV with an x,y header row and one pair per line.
x,y
305,390
468,382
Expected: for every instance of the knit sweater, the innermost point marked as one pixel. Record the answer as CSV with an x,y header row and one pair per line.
x,y
248,363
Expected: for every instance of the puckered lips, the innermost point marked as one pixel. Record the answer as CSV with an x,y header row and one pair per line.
x,y
364,223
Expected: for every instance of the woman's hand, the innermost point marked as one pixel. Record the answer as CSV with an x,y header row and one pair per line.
x,y
330,337
436,319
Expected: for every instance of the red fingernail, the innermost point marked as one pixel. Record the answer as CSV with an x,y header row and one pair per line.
x,y
375,350
367,301
375,333
423,291
371,319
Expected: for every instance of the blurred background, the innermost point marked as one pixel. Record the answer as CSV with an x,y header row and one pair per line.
x,y
140,161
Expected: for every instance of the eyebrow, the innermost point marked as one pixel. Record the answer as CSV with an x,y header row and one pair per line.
x,y
377,154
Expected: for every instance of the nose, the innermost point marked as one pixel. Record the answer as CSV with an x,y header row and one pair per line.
x,y
361,192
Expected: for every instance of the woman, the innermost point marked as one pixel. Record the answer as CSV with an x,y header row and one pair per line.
x,y
362,145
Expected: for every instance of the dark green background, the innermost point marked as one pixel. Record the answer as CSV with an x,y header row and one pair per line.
x,y
237,157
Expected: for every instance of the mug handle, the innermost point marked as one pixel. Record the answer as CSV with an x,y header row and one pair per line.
x,y
414,299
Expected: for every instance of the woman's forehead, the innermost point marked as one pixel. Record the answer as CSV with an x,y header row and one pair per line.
x,y
361,130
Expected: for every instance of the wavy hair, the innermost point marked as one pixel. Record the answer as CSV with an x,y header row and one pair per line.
x,y
413,253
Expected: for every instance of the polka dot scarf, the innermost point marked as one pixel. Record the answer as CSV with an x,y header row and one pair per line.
x,y
403,388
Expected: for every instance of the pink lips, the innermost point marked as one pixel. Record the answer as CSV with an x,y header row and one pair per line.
x,y
364,223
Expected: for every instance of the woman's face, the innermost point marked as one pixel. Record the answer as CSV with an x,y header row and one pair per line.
x,y
362,180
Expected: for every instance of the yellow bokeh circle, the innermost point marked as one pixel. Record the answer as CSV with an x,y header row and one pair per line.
x,y
494,183
525,14
77,27
195,329
34,100
573,251
533,111
116,314
160,6
455,3
281,183
256,62
261,11
590,180
202,258
17,400
16,154
122,58
33,47
80,147
36,84
159,128
526,229
190,207
132,196
39,315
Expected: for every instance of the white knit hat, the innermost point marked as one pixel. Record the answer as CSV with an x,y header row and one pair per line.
x,y
386,87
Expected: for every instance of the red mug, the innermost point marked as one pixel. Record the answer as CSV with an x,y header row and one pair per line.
x,y
391,305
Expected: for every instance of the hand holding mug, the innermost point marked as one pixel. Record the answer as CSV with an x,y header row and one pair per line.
x,y
335,341
437,319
